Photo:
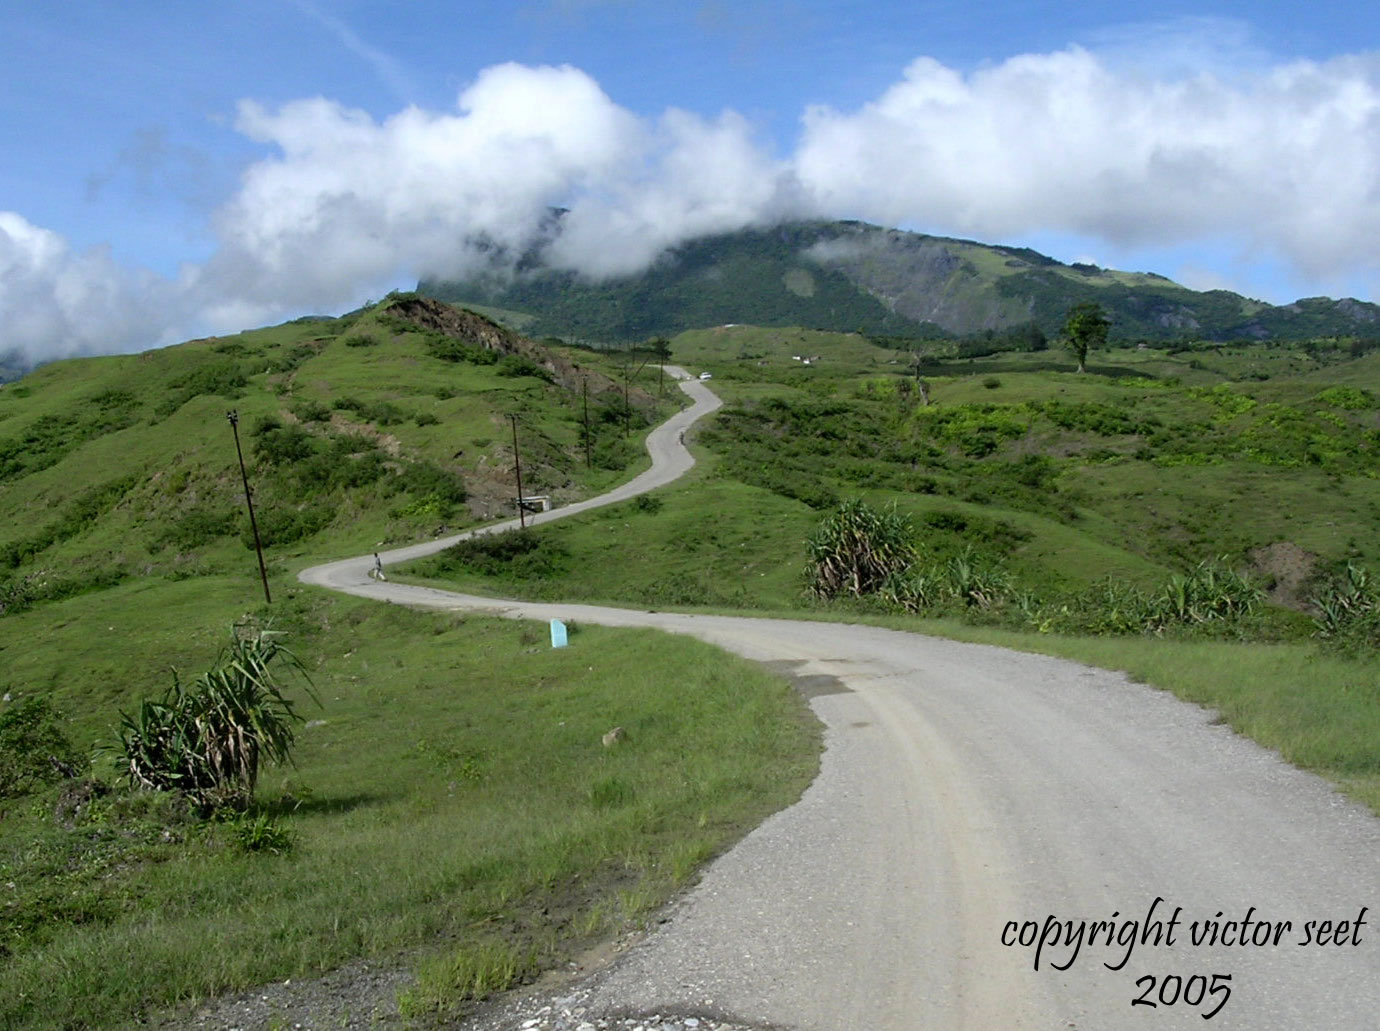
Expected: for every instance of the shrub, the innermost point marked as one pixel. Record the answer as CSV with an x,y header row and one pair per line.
x,y
1351,399
449,349
360,340
520,554
261,833
613,453
1348,609
198,526
208,739
312,411
975,582
384,413
1211,591
964,581
520,365
282,445
857,548
34,749
225,378
426,480
278,526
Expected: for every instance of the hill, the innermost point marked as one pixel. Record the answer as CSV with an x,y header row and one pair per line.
x,y
850,276
1152,462
383,425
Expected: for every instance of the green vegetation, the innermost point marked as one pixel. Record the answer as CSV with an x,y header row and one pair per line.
x,y
1085,329
34,748
1184,513
167,857
1348,609
857,550
208,740
468,738
752,276
124,467
1203,516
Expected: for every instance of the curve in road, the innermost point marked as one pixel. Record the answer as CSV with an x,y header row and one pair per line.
x,y
972,803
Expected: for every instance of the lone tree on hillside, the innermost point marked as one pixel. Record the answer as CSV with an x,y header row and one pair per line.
x,y
1085,328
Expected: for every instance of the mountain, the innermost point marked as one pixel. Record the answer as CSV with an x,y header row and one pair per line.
x,y
854,276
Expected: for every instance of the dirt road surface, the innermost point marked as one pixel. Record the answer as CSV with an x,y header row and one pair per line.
x,y
973,802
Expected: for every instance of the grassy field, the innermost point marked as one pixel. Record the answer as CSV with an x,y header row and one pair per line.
x,y
452,802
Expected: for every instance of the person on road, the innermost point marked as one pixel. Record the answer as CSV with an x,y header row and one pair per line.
x,y
377,572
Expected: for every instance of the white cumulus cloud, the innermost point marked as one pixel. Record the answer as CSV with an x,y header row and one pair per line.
x,y
1286,160
1283,160
56,303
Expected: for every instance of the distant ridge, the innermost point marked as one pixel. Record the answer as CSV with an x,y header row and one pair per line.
x,y
854,276
12,366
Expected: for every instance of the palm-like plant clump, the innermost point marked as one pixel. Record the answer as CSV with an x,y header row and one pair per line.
x,y
1348,608
857,548
209,738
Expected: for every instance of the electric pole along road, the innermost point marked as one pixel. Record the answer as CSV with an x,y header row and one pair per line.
x,y
978,810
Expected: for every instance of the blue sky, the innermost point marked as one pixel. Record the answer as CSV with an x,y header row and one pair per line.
x,y
175,168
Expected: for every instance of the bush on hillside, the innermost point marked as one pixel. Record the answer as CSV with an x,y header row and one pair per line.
x,y
282,445
520,365
517,554
209,739
280,525
1348,609
34,749
857,549
967,580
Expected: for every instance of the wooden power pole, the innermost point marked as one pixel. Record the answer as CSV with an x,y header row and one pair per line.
x,y
517,468
234,418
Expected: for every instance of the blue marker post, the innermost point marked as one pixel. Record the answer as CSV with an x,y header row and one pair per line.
x,y
558,635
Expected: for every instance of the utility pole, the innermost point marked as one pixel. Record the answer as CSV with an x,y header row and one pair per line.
x,y
584,390
234,418
517,468
628,373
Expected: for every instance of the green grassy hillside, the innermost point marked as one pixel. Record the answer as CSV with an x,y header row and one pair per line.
x,y
124,551
1090,516
379,427
1145,466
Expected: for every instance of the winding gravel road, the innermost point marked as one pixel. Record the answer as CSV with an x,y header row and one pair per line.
x,y
970,797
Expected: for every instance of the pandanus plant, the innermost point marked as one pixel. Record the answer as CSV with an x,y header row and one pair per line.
x,y
210,737
857,548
